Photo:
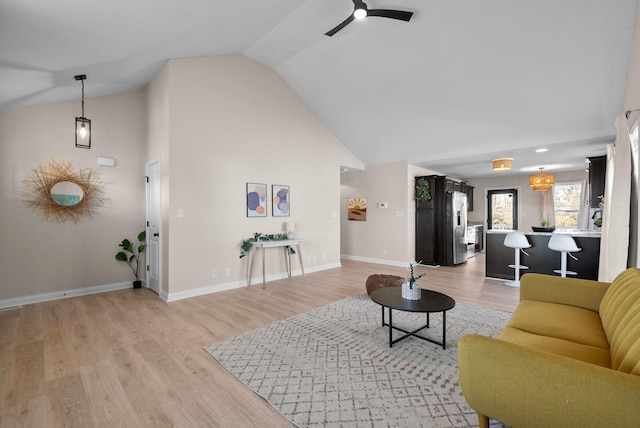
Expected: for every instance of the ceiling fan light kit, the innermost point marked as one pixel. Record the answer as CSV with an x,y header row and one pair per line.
x,y
361,11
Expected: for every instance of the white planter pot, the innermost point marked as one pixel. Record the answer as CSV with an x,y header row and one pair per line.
x,y
410,293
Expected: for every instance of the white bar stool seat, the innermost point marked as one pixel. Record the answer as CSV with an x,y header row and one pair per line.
x,y
517,241
565,244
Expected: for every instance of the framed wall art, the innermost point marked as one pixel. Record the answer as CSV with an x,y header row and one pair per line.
x,y
256,200
280,200
357,209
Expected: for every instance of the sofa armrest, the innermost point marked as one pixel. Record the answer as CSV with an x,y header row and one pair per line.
x,y
525,387
583,293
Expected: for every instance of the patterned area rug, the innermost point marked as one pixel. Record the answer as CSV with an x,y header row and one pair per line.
x,y
332,367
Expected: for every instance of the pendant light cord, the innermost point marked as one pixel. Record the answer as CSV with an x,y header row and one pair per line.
x,y
82,81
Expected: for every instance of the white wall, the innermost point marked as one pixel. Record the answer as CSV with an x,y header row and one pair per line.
x,y
388,235
632,102
158,123
231,121
38,257
214,123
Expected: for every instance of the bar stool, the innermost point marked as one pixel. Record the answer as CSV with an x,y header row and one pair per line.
x,y
565,244
517,241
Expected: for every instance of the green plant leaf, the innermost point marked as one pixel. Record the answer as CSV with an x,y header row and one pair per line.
x,y
423,190
121,256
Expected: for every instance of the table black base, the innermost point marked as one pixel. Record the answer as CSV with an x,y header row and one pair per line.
x,y
413,333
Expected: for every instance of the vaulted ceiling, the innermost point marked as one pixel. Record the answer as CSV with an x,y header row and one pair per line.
x,y
463,82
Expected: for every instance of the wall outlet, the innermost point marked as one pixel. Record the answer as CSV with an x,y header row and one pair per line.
x,y
214,273
180,212
227,271
384,252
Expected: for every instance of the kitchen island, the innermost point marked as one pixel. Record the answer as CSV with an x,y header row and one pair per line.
x,y
541,259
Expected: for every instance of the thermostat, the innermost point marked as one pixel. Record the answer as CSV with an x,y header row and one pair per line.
x,y
106,162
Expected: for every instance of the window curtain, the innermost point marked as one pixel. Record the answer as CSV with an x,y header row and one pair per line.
x,y
583,207
548,207
614,242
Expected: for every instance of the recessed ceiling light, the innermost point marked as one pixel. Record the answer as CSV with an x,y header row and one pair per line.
x,y
541,150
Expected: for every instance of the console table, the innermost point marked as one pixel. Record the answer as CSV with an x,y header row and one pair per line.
x,y
285,244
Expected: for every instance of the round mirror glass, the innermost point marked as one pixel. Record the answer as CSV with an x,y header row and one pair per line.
x,y
66,193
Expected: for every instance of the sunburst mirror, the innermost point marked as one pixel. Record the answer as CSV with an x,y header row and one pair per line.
x,y
59,193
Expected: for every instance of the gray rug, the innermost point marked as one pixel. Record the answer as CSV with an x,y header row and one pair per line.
x,y
332,367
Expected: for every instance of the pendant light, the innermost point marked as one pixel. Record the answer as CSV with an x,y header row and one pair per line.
x,y
502,164
541,181
83,125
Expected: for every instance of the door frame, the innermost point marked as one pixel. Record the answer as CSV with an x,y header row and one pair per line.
x,y
517,205
147,216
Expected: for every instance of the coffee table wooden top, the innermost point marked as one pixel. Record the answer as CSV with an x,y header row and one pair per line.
x,y
430,301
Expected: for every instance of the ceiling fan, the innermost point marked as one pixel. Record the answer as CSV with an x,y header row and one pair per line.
x,y
361,11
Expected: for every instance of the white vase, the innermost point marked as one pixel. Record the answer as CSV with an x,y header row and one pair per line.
x,y
410,293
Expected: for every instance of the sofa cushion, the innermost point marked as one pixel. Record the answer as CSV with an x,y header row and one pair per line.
x,y
620,314
564,322
577,351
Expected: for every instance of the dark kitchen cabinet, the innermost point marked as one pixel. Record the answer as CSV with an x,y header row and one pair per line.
x,y
431,228
597,172
429,225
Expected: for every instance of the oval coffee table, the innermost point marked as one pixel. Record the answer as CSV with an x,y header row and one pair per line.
x,y
430,301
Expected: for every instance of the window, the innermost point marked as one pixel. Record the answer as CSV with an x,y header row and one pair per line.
x,y
566,201
502,209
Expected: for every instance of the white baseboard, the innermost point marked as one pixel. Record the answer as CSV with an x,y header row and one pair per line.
x,y
168,297
404,264
45,297
255,280
376,261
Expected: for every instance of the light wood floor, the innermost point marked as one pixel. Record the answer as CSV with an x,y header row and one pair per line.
x,y
126,358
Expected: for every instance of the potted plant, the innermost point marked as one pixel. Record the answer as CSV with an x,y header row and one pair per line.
x,y
423,190
544,226
131,255
245,245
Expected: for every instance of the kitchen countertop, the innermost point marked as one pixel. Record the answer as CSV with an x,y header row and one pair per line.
x,y
584,233
539,257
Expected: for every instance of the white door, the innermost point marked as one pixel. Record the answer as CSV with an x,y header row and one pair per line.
x,y
154,220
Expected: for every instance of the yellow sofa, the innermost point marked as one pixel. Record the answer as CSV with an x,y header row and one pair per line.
x,y
568,357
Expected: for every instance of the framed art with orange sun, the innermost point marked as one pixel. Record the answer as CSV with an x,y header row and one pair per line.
x,y
256,200
280,200
357,209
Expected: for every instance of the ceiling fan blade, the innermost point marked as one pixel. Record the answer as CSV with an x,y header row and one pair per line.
x,y
339,26
386,13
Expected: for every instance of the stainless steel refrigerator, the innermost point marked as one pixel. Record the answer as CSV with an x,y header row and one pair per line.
x,y
456,228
